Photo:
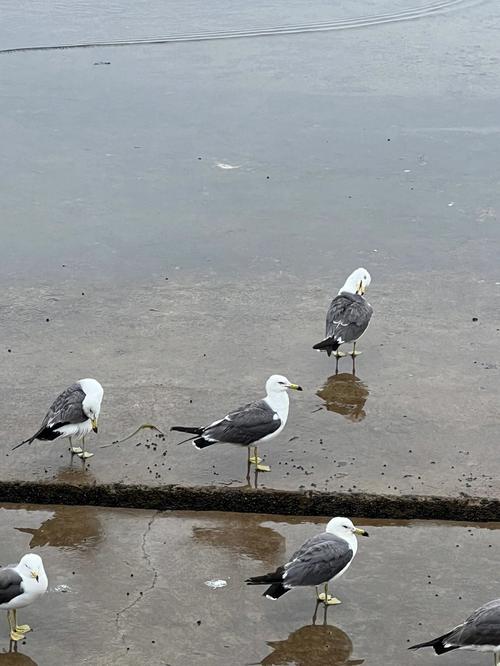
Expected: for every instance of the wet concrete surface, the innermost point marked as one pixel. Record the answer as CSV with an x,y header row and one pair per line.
x,y
137,589
412,422
132,254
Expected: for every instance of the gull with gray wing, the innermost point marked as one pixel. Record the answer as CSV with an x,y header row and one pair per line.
x,y
479,632
73,413
321,559
20,586
348,315
253,423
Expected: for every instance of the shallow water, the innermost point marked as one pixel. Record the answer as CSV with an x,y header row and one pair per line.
x,y
136,584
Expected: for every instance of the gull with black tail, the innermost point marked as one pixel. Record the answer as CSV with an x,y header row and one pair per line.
x,y
20,586
479,632
320,560
348,315
73,413
251,424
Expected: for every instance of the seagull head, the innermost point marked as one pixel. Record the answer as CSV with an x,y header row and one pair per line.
x,y
91,404
279,383
344,528
31,567
357,282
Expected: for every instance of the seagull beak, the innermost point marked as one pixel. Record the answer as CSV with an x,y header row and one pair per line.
x,y
295,387
94,424
34,575
361,288
360,532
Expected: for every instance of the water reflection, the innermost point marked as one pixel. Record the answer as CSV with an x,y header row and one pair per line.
x,y
15,658
244,537
313,645
68,527
345,394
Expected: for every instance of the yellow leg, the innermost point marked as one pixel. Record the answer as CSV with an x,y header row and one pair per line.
x,y
327,599
255,460
75,450
20,628
14,635
84,454
354,353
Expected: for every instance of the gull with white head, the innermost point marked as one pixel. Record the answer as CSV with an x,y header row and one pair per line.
x,y
321,559
74,413
20,586
253,423
348,315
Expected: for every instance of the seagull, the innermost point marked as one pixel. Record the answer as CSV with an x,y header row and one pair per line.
x,y
322,558
73,413
348,315
20,586
257,421
480,632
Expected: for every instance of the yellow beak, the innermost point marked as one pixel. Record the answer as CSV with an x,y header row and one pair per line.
x,y
295,387
34,574
361,288
94,424
360,532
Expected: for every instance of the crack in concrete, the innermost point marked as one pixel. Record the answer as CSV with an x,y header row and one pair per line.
x,y
141,594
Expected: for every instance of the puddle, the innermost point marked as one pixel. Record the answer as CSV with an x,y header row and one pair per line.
x,y
147,576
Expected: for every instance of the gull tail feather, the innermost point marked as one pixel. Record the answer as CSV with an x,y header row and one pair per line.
x,y
193,431
328,344
437,643
26,441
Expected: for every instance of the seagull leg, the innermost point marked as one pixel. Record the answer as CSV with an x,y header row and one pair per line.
x,y
75,450
316,609
20,628
354,353
497,658
327,599
14,635
84,454
255,460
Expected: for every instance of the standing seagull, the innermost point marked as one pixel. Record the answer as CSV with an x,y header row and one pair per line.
x,y
348,315
20,586
480,632
257,421
74,413
320,559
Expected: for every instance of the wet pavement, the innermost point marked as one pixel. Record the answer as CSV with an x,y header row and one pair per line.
x,y
132,252
136,589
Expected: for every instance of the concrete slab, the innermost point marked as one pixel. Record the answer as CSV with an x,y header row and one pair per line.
x,y
138,589
408,423
128,254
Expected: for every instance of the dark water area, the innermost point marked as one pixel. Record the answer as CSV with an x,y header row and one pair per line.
x,y
302,153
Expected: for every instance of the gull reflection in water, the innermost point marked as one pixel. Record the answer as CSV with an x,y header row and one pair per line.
x,y
244,536
313,645
68,527
15,658
345,394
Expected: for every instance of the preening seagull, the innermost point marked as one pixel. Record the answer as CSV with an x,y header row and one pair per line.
x,y
20,586
322,558
480,632
73,413
348,315
253,423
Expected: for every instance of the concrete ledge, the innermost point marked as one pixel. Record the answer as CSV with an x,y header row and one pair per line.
x,y
249,500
